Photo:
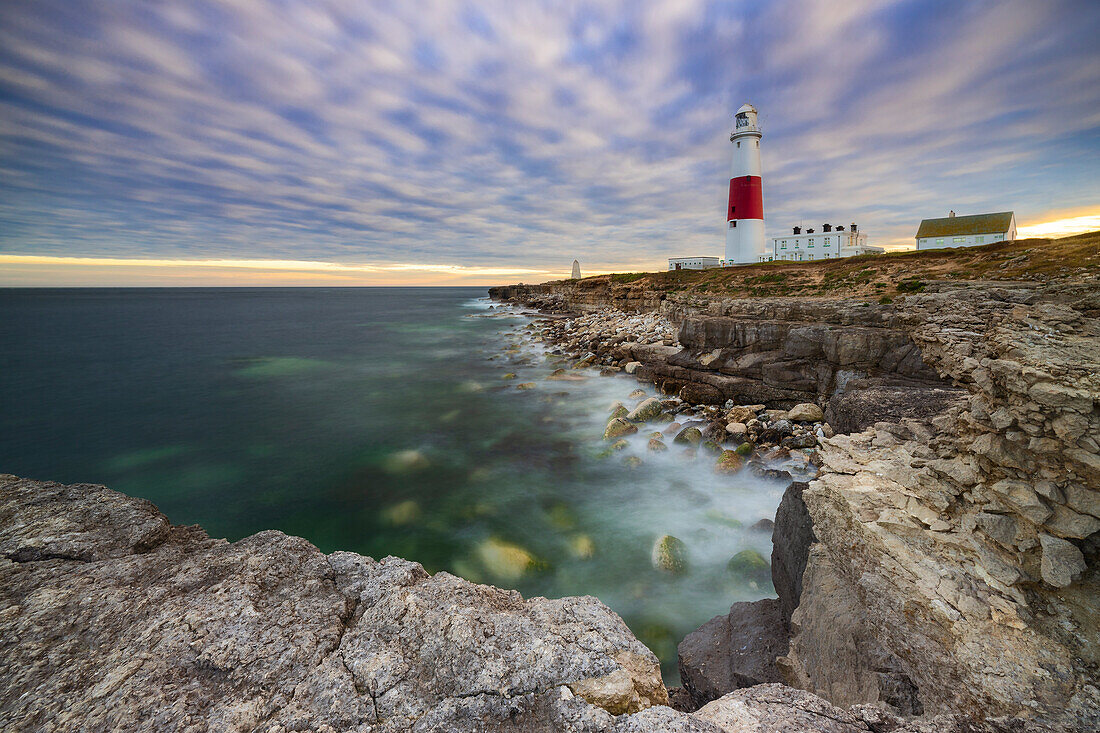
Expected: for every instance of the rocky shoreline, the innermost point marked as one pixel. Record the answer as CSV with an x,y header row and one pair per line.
x,y
936,570
956,512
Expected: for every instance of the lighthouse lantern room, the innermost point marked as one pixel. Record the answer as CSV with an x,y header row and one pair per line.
x,y
745,215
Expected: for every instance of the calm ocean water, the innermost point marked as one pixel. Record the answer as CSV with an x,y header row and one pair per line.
x,y
373,420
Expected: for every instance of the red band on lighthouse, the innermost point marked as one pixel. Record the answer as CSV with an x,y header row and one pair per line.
x,y
746,198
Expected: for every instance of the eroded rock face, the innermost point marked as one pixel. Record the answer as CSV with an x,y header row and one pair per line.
x,y
110,618
958,524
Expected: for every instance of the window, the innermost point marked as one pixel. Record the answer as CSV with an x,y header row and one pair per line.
x,y
810,243
811,256
998,237
733,223
979,239
956,240
939,241
826,244
738,142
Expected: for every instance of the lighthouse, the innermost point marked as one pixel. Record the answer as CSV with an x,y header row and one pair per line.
x,y
745,214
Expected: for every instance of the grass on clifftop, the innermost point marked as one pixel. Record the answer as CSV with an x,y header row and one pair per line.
x,y
883,276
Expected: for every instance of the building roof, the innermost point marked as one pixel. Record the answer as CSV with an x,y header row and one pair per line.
x,y
953,226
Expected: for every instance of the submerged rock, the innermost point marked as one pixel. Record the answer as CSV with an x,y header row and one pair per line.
x,y
405,461
750,564
657,445
669,554
405,512
504,560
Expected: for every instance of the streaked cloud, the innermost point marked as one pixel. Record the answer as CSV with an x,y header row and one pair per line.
x,y
488,136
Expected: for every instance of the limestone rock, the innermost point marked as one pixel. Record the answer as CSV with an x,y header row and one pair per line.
x,y
114,620
806,412
1062,561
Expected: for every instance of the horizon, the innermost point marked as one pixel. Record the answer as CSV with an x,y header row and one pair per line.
x,y
312,144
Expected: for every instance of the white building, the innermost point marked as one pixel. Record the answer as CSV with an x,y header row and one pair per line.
x,y
966,231
828,244
692,263
745,210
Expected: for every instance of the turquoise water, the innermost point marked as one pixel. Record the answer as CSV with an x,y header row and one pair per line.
x,y
374,420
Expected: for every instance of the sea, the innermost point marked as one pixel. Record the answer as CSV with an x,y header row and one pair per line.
x,y
379,421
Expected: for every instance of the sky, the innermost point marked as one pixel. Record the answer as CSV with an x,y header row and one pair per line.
x,y
268,142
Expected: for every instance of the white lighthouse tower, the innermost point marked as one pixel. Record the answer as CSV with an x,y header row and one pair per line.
x,y
745,214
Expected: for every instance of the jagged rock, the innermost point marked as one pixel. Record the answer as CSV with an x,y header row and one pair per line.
x,y
1062,561
733,650
791,540
113,619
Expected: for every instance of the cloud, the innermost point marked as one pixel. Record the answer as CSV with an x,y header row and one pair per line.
x,y
448,134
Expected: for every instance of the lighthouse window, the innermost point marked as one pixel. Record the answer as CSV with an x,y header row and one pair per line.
x,y
738,144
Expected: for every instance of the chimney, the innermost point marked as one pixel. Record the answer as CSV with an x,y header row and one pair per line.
x,y
853,226
809,231
951,215
798,230
826,227
840,227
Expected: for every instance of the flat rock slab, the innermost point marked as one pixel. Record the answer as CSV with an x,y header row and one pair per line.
x,y
733,651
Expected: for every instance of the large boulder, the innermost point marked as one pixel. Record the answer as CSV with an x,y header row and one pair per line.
x,y
646,410
112,619
733,650
805,412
